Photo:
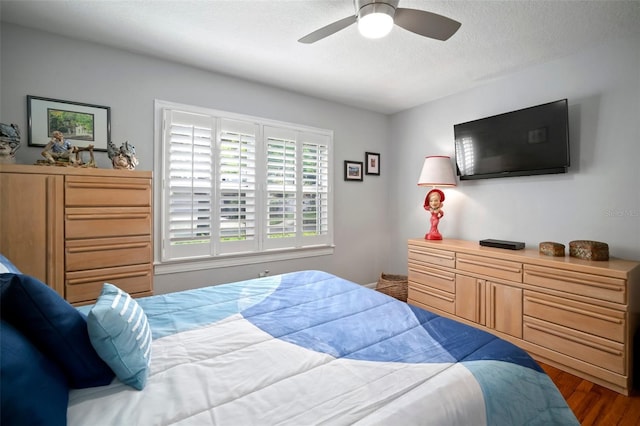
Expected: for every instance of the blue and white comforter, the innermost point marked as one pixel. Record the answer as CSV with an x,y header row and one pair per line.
x,y
311,348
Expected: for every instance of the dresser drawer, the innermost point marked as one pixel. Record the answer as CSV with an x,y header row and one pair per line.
x,y
85,286
431,297
598,287
603,322
489,266
433,277
88,191
107,222
107,252
583,346
432,256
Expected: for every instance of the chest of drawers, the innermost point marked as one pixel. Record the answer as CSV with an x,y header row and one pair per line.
x,y
76,228
575,314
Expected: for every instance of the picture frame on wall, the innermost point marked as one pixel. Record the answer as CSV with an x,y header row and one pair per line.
x,y
353,170
81,124
372,161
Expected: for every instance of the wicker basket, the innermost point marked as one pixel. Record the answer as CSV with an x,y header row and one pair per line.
x,y
393,285
589,250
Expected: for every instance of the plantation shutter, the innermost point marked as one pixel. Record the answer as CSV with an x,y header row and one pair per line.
x,y
234,185
315,189
297,194
281,188
188,144
237,196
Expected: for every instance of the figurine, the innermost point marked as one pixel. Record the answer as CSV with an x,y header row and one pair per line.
x,y
9,142
58,149
123,158
433,204
78,150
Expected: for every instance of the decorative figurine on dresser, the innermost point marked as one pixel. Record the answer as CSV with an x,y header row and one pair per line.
x,y
60,152
123,158
9,142
58,149
433,204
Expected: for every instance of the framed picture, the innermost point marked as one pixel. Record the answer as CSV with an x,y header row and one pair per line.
x,y
353,170
372,160
81,124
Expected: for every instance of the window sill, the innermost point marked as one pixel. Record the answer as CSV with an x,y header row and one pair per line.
x,y
225,261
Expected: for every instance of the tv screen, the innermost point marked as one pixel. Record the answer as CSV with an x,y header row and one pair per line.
x,y
529,141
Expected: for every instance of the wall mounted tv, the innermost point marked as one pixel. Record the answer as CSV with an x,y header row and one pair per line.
x,y
529,141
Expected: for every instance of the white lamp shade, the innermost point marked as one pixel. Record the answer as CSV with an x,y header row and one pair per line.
x,y
437,171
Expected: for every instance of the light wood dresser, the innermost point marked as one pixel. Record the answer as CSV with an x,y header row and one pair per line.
x,y
77,228
577,315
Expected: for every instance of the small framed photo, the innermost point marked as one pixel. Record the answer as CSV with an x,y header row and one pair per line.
x,y
353,170
372,160
81,124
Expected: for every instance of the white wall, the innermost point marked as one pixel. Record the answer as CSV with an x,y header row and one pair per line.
x,y
599,199
41,64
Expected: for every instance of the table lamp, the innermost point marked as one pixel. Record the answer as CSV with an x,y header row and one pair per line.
x,y
436,171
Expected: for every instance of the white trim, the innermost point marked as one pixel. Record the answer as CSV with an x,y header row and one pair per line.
x,y
239,260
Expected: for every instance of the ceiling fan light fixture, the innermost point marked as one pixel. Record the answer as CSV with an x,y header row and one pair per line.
x,y
375,20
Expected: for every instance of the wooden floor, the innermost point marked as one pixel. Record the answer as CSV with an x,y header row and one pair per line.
x,y
593,404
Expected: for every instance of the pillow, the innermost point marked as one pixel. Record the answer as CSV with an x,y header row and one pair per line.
x,y
34,389
55,327
120,333
7,266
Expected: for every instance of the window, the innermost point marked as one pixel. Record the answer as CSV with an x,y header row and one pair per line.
x,y
235,187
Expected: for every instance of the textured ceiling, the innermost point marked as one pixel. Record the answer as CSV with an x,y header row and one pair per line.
x,y
257,40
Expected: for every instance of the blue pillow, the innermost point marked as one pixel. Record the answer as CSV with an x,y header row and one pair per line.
x,y
55,327
120,333
6,266
34,389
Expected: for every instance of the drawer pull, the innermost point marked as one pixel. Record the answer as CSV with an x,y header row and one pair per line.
x,y
501,267
441,256
575,280
575,340
107,247
423,263
104,185
118,216
431,274
479,306
448,299
106,278
574,310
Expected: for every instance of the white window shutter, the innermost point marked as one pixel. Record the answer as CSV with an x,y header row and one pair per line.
x,y
237,230
316,187
281,188
188,179
234,185
298,189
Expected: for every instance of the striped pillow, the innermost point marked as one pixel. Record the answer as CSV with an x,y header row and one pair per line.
x,y
120,333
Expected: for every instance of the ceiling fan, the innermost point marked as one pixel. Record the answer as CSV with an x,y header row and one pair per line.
x,y
376,18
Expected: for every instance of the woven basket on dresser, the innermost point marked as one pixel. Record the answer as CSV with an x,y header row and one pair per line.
x,y
393,285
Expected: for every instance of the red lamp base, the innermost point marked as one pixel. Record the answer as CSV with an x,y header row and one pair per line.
x,y
433,235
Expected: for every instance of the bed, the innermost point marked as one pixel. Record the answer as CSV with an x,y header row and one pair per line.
x,y
312,348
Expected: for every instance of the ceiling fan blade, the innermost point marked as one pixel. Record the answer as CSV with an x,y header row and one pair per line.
x,y
328,30
426,23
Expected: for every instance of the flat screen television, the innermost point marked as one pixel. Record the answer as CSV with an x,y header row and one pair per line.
x,y
529,141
